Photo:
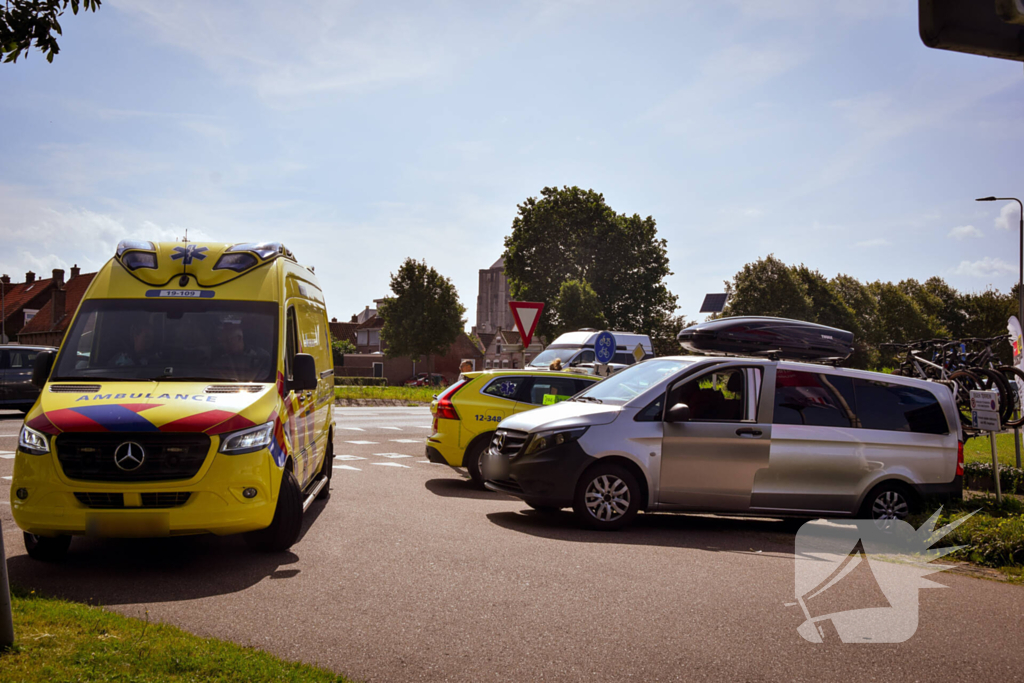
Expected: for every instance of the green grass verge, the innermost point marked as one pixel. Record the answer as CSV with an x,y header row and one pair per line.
x,y
59,642
418,394
992,537
978,450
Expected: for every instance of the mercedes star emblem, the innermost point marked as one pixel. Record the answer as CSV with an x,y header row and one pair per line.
x,y
129,456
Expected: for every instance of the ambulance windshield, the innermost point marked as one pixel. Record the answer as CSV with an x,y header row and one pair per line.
x,y
171,340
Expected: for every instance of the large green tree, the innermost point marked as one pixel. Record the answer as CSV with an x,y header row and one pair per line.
x,y
424,317
27,22
768,287
572,234
577,307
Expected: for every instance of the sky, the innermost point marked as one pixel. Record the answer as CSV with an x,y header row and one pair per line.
x,y
363,133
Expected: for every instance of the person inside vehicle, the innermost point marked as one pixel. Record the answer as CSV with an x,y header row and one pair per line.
x,y
142,346
238,362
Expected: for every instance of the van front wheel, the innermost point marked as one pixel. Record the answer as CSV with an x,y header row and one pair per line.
x,y
287,524
47,548
607,497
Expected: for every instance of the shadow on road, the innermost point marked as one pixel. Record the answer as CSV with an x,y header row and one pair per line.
x,y
459,488
702,532
122,571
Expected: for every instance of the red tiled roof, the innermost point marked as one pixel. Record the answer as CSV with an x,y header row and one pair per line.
x,y
344,330
74,291
17,296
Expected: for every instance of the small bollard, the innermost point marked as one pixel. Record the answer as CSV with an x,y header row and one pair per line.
x,y
995,466
6,618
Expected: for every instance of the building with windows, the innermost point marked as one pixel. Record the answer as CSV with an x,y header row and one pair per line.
x,y
492,311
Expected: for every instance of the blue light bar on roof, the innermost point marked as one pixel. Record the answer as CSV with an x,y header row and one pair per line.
x,y
262,249
126,245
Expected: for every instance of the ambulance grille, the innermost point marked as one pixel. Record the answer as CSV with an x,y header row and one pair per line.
x,y
90,456
102,501
115,501
233,388
74,388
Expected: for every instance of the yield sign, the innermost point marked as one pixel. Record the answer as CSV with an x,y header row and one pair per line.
x,y
526,314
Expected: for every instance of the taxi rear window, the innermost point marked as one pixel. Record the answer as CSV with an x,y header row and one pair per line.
x,y
504,387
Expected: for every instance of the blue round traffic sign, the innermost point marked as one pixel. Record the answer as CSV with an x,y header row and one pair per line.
x,y
604,347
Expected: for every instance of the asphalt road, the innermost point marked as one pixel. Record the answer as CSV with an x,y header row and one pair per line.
x,y
408,574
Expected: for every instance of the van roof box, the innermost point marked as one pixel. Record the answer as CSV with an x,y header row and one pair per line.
x,y
778,338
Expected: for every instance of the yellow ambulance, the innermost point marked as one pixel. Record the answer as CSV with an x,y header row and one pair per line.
x,y
193,393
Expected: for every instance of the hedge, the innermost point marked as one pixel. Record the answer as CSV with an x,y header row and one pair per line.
x,y
360,381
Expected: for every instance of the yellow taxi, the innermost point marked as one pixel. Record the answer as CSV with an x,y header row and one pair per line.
x,y
467,413
192,394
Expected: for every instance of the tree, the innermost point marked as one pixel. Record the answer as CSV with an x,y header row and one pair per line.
x,y
572,234
577,306
951,310
664,336
424,317
827,306
768,287
24,22
864,306
339,347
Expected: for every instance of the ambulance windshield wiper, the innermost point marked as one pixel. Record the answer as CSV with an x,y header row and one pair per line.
x,y
588,398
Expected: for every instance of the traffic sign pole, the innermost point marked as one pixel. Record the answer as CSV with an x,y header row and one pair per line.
x,y
995,467
6,618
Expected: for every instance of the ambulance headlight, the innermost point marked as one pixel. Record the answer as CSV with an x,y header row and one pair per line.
x,y
31,441
247,440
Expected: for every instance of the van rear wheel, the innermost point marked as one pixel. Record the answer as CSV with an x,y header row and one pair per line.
x,y
888,502
284,530
47,548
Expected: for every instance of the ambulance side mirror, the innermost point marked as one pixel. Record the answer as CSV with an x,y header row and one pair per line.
x,y
304,373
43,366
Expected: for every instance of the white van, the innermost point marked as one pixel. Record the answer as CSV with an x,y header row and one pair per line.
x,y
577,348
734,435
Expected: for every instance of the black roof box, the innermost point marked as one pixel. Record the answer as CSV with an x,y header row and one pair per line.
x,y
770,337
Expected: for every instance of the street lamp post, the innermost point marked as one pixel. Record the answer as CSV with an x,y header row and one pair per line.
x,y
1020,292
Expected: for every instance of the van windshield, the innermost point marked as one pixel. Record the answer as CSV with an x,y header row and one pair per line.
x,y
150,339
546,357
627,384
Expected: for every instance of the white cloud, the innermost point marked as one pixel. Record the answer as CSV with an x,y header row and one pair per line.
x,y
876,242
1009,217
986,267
964,231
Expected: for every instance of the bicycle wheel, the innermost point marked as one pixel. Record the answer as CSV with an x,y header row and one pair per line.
x,y
1015,377
992,380
965,382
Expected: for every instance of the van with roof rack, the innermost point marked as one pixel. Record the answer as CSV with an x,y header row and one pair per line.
x,y
753,434
574,349
192,394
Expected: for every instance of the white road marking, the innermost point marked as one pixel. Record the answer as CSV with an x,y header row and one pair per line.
x,y
7,456
353,429
6,452
393,455
363,443
7,478
347,467
426,462
391,464
348,457
406,440
426,426
397,429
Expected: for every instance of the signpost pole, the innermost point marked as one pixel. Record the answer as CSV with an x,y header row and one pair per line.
x,y
1016,444
995,467
6,619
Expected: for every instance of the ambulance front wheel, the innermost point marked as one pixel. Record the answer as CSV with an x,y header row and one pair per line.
x,y
47,548
287,524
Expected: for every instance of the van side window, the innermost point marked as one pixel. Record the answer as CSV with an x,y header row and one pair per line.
x,y
586,357
716,396
547,391
291,344
653,412
810,398
899,408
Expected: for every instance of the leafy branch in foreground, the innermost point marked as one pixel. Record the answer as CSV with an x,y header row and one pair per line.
x,y
24,22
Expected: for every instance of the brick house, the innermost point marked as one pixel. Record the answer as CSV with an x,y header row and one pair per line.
x,y
505,350
48,326
20,301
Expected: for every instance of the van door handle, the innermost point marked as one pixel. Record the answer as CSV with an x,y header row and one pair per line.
x,y
748,431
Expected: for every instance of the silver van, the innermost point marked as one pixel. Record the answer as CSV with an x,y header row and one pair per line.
x,y
734,435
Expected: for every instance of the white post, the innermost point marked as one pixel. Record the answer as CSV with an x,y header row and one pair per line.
x,y
995,466
6,619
